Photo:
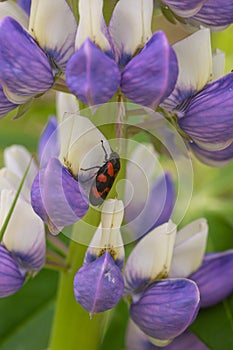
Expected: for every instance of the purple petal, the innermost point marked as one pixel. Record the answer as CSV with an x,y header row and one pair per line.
x,y
150,76
25,5
11,278
215,13
137,340
48,145
166,308
157,209
36,196
5,105
213,158
208,117
25,69
98,286
214,277
184,8
57,197
91,75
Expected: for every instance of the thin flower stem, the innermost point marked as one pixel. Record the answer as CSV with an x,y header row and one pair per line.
x,y
4,226
58,244
51,265
60,87
50,254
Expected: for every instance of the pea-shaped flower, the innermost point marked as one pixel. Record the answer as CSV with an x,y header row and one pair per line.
x,y
99,285
60,190
33,59
125,55
166,313
203,108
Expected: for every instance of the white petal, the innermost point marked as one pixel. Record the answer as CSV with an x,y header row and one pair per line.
x,y
130,25
54,27
195,60
108,233
25,233
10,181
17,159
111,219
218,64
90,24
141,169
10,8
14,98
195,66
81,146
66,104
189,248
214,146
151,258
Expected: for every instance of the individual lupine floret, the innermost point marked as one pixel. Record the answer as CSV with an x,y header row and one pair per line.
x,y
60,189
217,266
99,285
203,108
94,76
163,306
211,272
42,51
22,248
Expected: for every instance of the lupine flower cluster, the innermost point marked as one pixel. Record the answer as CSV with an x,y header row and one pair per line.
x,y
116,79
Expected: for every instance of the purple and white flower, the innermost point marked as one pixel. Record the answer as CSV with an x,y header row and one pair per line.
x,y
159,277
204,108
150,284
33,58
60,191
107,58
99,284
22,247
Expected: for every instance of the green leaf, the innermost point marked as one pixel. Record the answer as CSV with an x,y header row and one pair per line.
x,y
214,326
220,236
26,316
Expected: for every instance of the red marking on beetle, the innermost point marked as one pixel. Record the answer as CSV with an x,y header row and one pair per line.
x,y
101,178
95,192
110,169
